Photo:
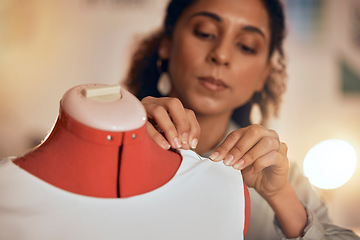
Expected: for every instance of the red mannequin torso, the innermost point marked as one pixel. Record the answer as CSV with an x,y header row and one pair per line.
x,y
113,160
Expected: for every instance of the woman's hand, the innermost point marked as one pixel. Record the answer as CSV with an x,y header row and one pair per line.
x,y
261,157
168,119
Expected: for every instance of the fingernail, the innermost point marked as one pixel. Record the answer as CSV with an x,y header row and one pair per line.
x,y
239,164
184,138
165,145
228,159
214,156
194,143
177,142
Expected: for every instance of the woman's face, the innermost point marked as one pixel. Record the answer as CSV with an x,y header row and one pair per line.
x,y
218,54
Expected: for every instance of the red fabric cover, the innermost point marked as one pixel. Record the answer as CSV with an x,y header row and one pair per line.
x,y
247,208
144,165
82,160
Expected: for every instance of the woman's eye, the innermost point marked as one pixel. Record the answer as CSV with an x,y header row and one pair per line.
x,y
204,35
247,49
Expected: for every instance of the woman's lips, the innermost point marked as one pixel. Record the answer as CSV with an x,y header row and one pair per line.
x,y
212,83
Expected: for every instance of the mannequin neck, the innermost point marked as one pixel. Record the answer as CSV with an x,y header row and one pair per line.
x,y
99,163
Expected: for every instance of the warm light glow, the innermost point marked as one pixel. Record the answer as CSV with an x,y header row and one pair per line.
x,y
330,164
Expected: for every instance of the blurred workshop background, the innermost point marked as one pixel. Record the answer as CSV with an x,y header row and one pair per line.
x,y
50,46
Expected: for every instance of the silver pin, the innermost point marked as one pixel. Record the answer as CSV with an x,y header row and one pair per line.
x,y
134,136
198,155
192,149
109,137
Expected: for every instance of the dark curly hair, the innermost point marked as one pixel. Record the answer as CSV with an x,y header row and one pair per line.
x,y
143,73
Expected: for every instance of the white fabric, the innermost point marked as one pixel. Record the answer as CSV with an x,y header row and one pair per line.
x,y
204,200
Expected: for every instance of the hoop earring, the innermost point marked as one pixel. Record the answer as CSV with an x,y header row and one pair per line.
x,y
256,116
164,85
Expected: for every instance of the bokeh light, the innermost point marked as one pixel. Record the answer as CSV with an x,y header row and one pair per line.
x,y
330,164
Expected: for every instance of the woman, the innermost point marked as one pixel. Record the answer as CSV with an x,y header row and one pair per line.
x,y
222,58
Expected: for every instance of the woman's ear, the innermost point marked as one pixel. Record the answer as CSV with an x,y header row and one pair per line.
x,y
164,48
264,77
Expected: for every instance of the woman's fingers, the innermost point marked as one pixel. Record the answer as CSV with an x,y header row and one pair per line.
x,y
271,159
180,119
179,125
264,147
249,143
194,132
221,151
157,136
163,123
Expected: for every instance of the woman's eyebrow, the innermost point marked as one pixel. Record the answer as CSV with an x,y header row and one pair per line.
x,y
255,30
217,18
208,14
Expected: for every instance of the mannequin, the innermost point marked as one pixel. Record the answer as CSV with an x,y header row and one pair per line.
x,y
91,150
98,175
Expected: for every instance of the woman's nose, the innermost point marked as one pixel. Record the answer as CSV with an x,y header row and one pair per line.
x,y
220,54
